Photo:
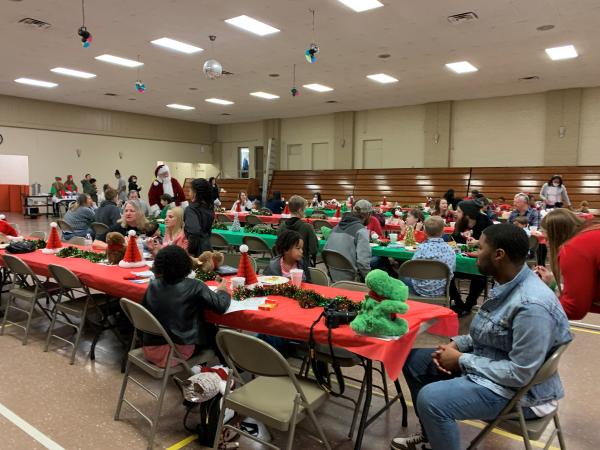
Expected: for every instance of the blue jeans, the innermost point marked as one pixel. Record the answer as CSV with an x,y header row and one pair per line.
x,y
440,400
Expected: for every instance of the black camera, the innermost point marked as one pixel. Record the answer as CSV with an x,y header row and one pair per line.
x,y
335,318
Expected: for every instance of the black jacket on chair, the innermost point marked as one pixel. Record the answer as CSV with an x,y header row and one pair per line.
x,y
198,222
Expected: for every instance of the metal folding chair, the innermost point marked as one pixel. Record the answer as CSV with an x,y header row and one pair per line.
x,y
38,235
339,263
428,269
99,229
219,243
64,226
258,246
318,276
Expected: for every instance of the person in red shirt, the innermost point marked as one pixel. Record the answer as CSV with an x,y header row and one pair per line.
x,y
414,219
374,226
574,247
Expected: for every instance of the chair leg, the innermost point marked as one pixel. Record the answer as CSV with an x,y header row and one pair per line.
x,y
384,383
292,429
123,388
402,403
222,413
161,396
561,438
357,409
52,323
524,432
5,318
317,425
77,338
28,325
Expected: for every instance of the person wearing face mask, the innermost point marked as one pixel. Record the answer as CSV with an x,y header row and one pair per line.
x,y
132,184
165,184
554,193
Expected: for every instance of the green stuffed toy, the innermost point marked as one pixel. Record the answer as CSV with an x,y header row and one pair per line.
x,y
386,298
325,231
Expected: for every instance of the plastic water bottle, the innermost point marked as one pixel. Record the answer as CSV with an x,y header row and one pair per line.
x,y
88,240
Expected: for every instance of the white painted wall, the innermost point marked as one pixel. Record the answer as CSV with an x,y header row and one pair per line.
x,y
500,131
306,131
232,137
401,131
53,153
589,144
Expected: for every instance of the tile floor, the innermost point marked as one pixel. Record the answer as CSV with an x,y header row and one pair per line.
x,y
73,406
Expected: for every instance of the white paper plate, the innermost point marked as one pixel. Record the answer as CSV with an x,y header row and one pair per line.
x,y
272,279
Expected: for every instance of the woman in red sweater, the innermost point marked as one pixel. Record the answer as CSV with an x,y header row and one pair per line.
x,y
575,261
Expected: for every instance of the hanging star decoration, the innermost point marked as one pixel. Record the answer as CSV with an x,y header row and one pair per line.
x,y
295,92
311,53
140,86
86,36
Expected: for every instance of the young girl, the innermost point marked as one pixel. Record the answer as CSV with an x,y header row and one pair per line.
x,y
289,249
414,219
317,201
442,209
245,204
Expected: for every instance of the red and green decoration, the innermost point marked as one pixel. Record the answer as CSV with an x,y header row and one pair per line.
x,y
74,252
205,276
260,229
219,226
305,297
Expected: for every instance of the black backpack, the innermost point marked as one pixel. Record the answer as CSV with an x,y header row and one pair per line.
x,y
209,412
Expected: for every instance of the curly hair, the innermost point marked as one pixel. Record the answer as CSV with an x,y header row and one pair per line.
x,y
286,240
172,264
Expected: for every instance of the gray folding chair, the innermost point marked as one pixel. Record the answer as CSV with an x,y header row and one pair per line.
x,y
38,235
258,246
340,264
533,249
275,397
64,226
318,214
219,243
76,240
252,220
28,288
511,418
351,286
318,276
320,223
220,217
427,269
100,229
143,321
233,260
75,300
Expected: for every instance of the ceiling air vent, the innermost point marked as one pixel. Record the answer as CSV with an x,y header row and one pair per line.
x,y
463,17
35,23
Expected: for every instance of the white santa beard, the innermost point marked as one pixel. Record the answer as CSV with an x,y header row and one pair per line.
x,y
168,187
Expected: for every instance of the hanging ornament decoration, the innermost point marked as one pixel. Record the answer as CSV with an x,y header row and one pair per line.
x,y
295,92
86,36
313,49
140,86
212,68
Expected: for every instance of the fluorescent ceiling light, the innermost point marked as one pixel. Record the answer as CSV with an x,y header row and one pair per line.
x,y
382,78
218,101
265,95
565,52
119,61
318,87
73,73
462,67
39,83
362,5
182,107
176,45
252,25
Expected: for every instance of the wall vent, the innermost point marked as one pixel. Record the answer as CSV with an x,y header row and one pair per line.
x,y
463,17
530,78
35,23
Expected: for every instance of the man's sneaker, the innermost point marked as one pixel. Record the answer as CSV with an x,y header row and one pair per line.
x,y
256,429
416,441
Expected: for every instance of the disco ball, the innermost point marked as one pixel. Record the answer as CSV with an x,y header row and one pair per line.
x,y
212,69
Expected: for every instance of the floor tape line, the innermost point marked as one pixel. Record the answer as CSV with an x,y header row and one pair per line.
x,y
583,330
183,442
29,429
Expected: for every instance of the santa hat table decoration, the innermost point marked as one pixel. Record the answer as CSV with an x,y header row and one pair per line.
x,y
338,212
53,245
384,202
133,257
6,228
245,268
286,210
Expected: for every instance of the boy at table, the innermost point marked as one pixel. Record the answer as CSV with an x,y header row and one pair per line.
x,y
297,206
475,375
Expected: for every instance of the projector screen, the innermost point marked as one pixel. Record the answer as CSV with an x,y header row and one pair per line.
x,y
14,169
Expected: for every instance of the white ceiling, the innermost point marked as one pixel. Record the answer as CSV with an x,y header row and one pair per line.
x,y
503,43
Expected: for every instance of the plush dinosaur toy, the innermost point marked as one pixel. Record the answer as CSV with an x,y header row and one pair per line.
x,y
386,298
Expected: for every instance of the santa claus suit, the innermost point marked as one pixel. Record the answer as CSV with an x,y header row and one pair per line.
x,y
5,228
162,186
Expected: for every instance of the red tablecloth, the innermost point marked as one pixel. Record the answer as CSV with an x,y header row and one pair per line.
x,y
586,216
287,320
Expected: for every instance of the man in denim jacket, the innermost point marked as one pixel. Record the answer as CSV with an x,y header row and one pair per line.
x,y
474,376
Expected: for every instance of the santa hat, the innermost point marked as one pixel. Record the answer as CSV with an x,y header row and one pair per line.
x,y
53,245
238,206
161,168
245,268
384,202
132,257
6,228
398,213
286,210
337,212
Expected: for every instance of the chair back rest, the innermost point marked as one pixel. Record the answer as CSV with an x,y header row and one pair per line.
x,y
320,223
233,260
222,218
64,226
76,240
17,266
14,225
38,235
256,244
424,269
351,286
143,320
218,241
251,354
318,276
335,260
65,278
318,215
99,228
253,220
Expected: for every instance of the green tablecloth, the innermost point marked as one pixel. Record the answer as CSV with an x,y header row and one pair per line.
x,y
464,264
329,212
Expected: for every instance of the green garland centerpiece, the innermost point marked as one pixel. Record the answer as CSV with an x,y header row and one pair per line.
x,y
257,229
305,297
205,276
39,244
219,226
74,252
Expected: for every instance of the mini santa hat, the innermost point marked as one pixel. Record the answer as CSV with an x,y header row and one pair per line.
x,y
384,203
245,268
161,168
132,257
338,211
238,206
397,213
53,245
286,210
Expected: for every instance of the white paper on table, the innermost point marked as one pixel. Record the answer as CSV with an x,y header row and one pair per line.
x,y
144,274
142,281
250,304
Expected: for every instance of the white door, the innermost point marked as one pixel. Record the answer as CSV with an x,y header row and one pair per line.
x,y
373,154
295,158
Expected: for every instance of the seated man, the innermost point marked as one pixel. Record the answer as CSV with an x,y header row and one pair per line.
x,y
433,248
475,375
523,209
350,237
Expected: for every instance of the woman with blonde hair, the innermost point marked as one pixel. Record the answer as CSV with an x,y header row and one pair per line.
x,y
132,218
174,234
574,261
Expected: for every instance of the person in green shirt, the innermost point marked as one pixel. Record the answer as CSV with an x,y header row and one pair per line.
x,y
165,202
58,188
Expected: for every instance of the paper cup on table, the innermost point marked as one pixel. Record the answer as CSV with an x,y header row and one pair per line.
x,y
393,238
296,276
533,229
237,282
